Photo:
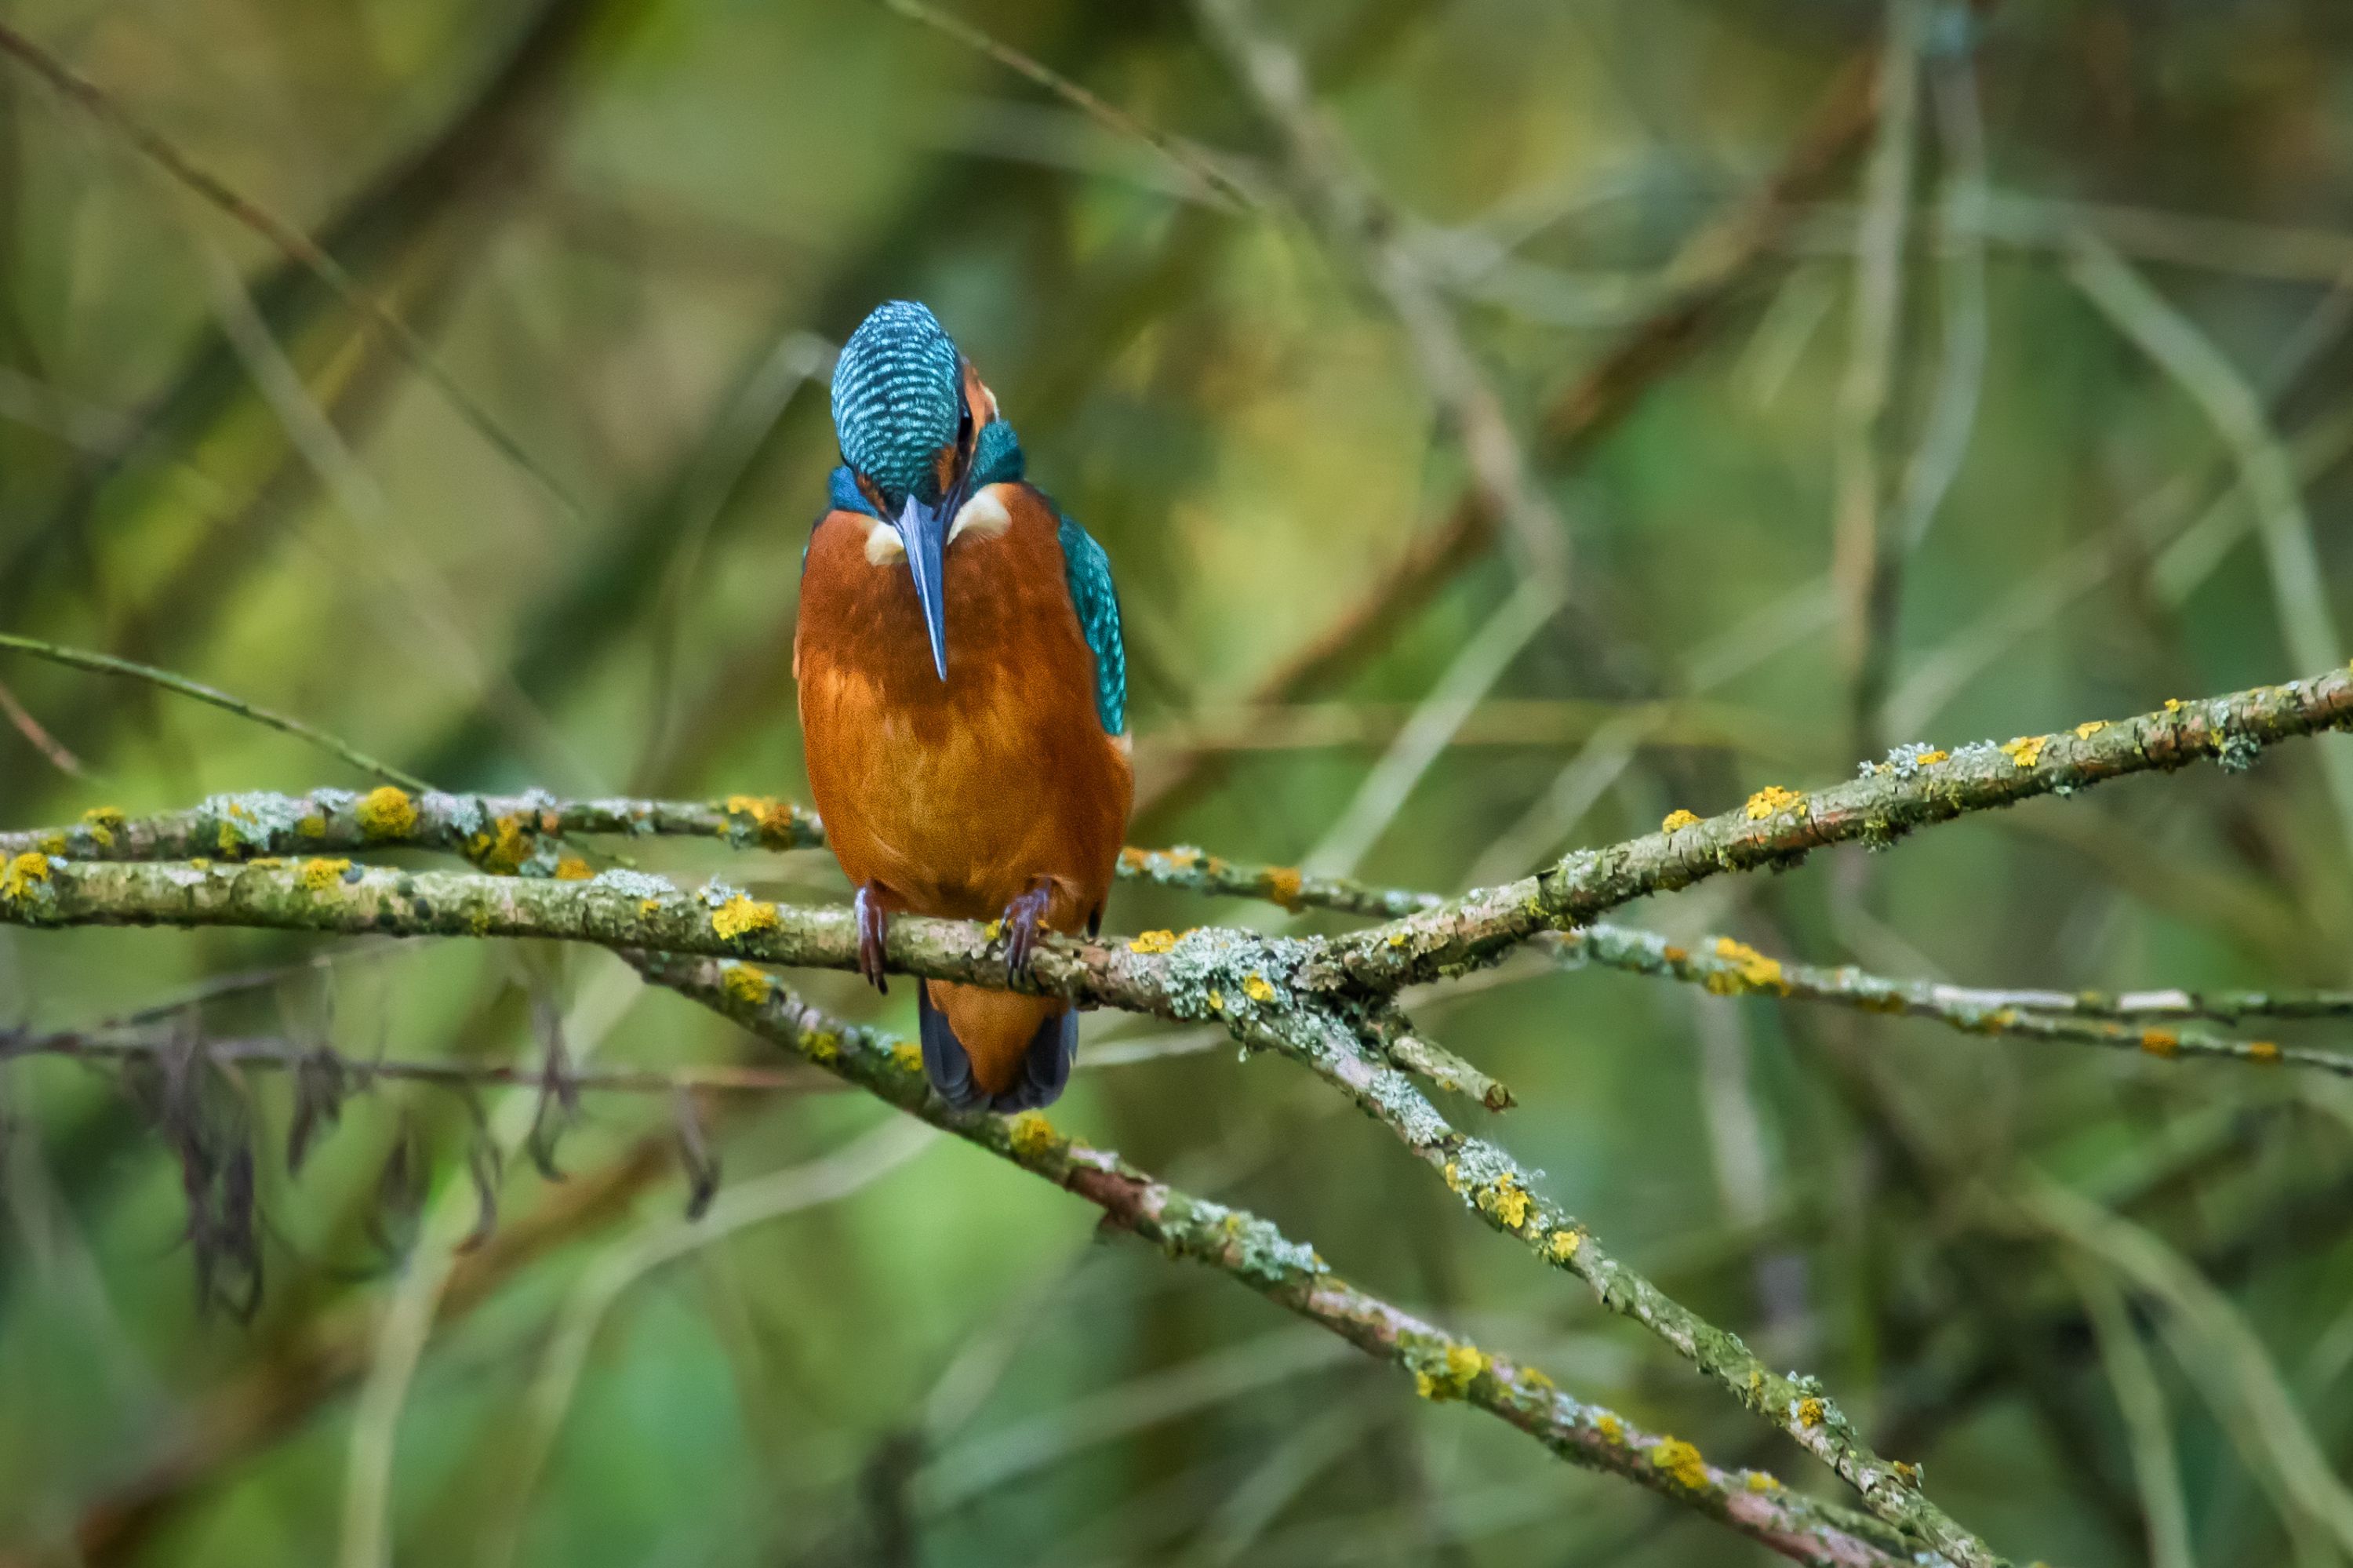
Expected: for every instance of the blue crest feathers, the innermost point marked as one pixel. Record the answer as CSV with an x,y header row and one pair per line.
x,y
898,390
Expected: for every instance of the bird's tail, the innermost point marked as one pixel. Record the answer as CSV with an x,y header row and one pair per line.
x,y
996,1050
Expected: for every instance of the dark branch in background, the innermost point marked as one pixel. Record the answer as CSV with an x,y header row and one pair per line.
x,y
358,1073
289,241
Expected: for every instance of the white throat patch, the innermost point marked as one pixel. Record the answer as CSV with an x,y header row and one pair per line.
x,y
883,545
984,515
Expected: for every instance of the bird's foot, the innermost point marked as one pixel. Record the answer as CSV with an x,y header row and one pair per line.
x,y
874,927
1023,918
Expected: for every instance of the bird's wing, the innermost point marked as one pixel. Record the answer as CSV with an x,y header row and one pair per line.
x,y
1097,602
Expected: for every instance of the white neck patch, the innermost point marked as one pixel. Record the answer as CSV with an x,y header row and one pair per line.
x,y
883,545
984,515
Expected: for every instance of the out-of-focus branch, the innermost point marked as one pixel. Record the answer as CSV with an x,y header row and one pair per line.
x,y
2266,470
285,1055
1207,175
1868,562
22,721
289,241
1705,277
1359,221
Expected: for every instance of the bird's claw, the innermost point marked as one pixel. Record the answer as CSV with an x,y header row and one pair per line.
x,y
874,927
1023,918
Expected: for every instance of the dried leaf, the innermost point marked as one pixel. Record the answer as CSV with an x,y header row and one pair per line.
x,y
695,1156
400,1188
559,1094
321,1082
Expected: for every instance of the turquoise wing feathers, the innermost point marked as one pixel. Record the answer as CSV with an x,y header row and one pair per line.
x,y
1097,602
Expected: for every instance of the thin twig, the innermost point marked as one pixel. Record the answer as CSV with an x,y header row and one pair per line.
x,y
1867,564
2299,585
1205,174
21,719
106,664
284,1056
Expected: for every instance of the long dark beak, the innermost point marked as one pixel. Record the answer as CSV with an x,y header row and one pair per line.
x,y
924,531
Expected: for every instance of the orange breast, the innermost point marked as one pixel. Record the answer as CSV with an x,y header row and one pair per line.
x,y
955,796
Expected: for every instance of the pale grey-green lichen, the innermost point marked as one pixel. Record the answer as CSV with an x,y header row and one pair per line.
x,y
1211,971
252,819
633,884
1904,761
466,814
1406,1109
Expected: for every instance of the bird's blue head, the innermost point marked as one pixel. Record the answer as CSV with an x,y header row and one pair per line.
x,y
920,434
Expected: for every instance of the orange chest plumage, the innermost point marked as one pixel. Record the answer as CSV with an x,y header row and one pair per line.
x,y
955,796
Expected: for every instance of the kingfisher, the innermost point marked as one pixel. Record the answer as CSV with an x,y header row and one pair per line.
x,y
963,698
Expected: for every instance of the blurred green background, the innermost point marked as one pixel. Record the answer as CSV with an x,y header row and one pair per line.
x,y
632,231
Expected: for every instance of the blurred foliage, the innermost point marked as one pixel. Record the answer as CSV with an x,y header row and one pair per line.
x,y
630,230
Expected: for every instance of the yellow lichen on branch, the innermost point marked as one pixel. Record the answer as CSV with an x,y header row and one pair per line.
x,y
1507,1201
2026,750
1031,1135
385,813
1752,970
742,915
1683,1461
18,882
1772,801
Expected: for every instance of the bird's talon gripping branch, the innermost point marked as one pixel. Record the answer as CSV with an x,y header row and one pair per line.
x,y
1023,919
873,931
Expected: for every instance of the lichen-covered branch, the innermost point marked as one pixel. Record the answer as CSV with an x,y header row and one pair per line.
x,y
1503,1192
1250,983
1254,1253
526,833
1731,967
1778,827
1324,1001
499,832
